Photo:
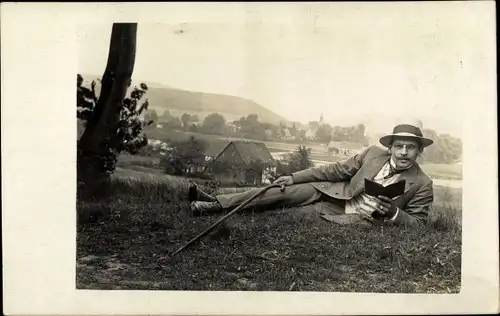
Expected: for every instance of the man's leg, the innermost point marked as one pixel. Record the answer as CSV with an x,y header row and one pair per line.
x,y
294,195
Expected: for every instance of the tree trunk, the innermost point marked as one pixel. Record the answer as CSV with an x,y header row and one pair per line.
x,y
107,80
104,122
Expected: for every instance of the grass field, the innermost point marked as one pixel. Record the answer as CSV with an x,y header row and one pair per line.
x,y
146,218
443,171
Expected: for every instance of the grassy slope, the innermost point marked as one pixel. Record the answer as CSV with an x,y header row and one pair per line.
x,y
278,251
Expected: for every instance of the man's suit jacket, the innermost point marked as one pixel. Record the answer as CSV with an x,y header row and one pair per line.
x,y
345,179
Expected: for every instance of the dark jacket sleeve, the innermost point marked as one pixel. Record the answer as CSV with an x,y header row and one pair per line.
x,y
418,208
334,172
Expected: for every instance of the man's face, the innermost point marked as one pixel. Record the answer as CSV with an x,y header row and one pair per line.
x,y
404,151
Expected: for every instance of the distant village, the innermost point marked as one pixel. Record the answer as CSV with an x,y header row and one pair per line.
x,y
278,143
335,140
320,136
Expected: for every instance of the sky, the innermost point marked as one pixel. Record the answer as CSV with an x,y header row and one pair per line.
x,y
351,63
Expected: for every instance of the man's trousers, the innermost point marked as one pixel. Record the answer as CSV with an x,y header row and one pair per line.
x,y
293,196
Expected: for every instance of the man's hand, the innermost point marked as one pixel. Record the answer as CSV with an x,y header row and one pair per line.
x,y
385,206
284,180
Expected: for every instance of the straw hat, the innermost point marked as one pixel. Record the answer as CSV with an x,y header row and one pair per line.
x,y
412,128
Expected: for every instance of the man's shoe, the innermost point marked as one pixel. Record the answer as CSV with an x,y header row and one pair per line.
x,y
197,194
199,208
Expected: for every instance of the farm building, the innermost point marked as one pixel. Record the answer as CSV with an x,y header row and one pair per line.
x,y
214,148
243,163
344,148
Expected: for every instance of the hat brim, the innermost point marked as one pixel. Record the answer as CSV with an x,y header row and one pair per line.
x,y
387,139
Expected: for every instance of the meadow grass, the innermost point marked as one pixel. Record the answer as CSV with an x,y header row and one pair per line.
x,y
125,242
443,171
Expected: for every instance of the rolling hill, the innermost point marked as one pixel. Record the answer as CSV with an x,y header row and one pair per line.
x,y
177,101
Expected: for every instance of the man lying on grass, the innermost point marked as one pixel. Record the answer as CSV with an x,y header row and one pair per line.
x,y
341,185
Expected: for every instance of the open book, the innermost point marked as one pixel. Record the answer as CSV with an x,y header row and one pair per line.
x,y
391,191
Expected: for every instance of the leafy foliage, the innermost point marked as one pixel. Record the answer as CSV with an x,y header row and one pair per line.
x,y
86,99
128,136
446,148
187,121
324,132
184,157
250,127
214,124
296,161
350,133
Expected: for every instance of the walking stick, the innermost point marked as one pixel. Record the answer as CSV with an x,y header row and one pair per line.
x,y
203,233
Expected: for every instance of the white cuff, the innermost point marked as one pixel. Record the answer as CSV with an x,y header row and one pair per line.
x,y
394,217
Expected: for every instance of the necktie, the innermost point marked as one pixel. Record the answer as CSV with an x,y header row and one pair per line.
x,y
392,172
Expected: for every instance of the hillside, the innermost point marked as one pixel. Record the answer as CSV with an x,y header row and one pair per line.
x,y
177,101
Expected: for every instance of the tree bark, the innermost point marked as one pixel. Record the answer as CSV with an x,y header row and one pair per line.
x,y
101,126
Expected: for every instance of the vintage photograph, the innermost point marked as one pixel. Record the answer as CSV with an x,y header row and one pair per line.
x,y
314,154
